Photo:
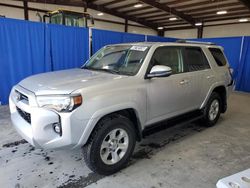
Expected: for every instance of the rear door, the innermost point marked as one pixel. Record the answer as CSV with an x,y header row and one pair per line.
x,y
200,76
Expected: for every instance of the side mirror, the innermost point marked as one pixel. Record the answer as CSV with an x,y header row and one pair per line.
x,y
160,71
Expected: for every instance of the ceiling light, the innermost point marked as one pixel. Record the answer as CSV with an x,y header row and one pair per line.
x,y
243,20
137,5
100,14
221,12
160,28
173,19
198,24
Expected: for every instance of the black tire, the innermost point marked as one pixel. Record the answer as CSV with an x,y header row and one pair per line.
x,y
92,150
208,122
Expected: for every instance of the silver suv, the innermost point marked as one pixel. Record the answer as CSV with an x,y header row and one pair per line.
x,y
109,103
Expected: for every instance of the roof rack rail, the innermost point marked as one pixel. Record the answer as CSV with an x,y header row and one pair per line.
x,y
194,42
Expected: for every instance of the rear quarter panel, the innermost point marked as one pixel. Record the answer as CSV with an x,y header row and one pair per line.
x,y
221,74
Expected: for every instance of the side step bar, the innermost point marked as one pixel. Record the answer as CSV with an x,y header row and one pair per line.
x,y
179,120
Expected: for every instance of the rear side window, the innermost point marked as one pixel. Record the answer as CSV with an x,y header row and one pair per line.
x,y
218,56
195,59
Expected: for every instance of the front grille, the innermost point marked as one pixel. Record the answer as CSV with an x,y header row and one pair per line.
x,y
24,115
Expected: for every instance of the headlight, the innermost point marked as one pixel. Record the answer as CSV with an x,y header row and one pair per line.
x,y
60,103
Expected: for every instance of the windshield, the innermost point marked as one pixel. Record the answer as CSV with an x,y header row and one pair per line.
x,y
124,59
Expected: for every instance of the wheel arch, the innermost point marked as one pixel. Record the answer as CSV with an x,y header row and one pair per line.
x,y
128,111
222,91
131,114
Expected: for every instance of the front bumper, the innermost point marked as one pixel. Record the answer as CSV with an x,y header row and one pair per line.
x,y
39,129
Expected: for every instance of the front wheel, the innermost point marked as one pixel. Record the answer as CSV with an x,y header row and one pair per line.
x,y
110,145
212,110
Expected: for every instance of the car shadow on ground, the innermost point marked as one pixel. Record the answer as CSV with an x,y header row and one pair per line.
x,y
67,169
157,140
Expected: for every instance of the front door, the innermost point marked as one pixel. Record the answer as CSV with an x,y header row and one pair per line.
x,y
167,96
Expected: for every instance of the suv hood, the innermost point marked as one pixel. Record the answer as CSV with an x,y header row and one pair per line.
x,y
66,81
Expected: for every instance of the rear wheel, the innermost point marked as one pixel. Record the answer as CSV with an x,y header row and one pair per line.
x,y
110,145
212,110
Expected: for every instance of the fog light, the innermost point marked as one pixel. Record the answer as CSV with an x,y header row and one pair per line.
x,y
57,128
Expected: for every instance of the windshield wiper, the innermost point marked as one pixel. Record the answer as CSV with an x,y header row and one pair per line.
x,y
111,71
104,70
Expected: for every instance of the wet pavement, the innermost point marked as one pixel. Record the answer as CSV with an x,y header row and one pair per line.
x,y
188,155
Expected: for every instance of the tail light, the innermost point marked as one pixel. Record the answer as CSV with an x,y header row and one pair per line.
x,y
230,70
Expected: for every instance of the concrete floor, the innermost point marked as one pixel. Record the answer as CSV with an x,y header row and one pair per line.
x,y
187,156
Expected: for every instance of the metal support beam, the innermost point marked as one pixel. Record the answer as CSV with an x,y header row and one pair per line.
x,y
200,32
112,3
121,15
167,9
246,3
85,4
26,10
160,33
85,7
101,8
126,25
21,7
45,11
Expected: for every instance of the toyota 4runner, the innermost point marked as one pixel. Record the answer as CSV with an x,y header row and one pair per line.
x,y
105,106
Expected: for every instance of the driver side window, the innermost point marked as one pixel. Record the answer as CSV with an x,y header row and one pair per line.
x,y
170,56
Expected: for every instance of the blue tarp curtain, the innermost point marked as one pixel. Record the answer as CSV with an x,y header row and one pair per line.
x,y
151,38
101,38
21,53
243,76
69,46
237,54
131,37
28,48
232,48
237,50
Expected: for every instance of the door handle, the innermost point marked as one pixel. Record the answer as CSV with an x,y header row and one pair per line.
x,y
210,76
184,82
